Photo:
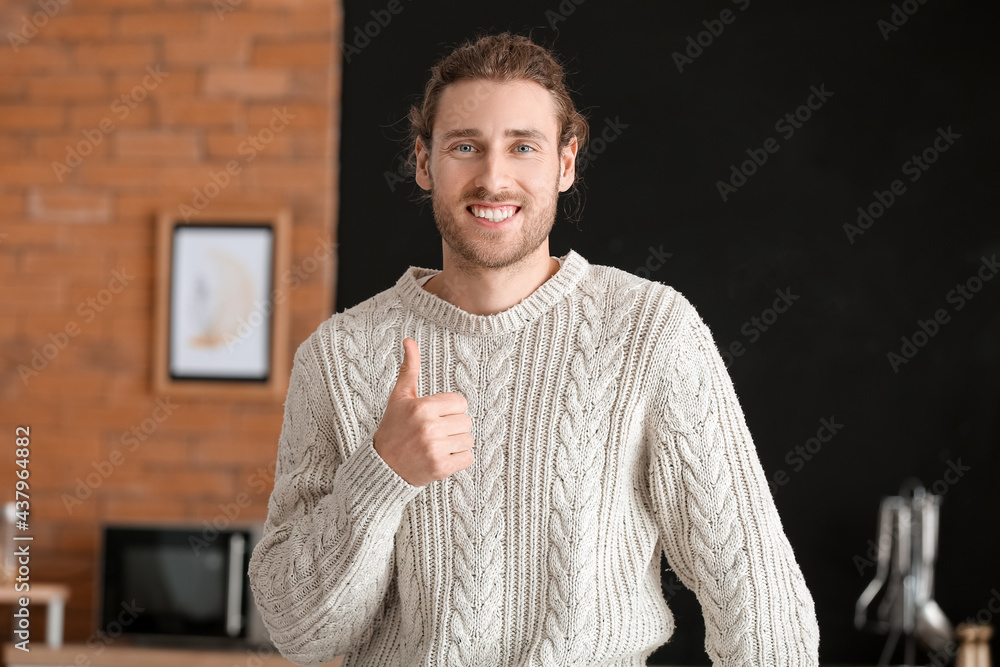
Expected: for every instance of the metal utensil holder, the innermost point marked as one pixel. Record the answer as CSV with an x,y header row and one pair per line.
x,y
899,601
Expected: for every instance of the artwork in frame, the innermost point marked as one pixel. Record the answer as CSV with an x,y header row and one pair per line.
x,y
221,320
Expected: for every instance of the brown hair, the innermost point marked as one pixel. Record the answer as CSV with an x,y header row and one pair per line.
x,y
503,58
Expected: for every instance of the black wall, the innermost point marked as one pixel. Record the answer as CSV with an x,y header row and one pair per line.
x,y
654,185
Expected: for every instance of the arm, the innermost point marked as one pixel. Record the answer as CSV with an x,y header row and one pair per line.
x,y
718,523
322,567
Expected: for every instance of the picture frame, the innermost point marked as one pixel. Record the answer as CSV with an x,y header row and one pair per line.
x,y
221,322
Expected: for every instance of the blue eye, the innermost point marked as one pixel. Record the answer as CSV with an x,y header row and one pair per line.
x,y
525,146
461,146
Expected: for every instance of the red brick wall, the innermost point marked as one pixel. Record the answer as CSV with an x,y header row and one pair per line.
x,y
197,81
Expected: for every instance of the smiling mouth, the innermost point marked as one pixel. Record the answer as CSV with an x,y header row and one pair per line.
x,y
493,214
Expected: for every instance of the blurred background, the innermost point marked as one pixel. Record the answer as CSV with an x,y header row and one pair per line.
x,y
815,178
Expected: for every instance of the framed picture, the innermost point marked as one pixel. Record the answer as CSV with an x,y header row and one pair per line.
x,y
221,325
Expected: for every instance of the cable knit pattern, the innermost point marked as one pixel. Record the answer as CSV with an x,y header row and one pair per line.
x,y
581,440
606,430
707,444
720,567
412,617
478,492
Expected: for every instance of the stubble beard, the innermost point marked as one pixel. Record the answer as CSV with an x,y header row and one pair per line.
x,y
477,247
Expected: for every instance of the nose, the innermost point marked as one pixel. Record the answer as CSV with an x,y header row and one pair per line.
x,y
494,173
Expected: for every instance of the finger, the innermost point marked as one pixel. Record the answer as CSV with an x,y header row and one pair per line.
x,y
456,424
448,403
462,460
409,372
462,442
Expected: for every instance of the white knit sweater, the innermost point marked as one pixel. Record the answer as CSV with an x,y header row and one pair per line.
x,y
607,431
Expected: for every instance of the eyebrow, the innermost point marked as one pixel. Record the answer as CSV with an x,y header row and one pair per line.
x,y
517,133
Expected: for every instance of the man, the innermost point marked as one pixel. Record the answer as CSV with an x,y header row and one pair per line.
x,y
501,494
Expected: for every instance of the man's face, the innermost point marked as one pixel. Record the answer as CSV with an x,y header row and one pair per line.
x,y
494,170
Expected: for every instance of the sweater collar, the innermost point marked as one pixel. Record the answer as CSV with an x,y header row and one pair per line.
x,y
434,308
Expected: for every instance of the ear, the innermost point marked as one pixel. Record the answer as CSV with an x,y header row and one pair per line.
x,y
567,165
423,175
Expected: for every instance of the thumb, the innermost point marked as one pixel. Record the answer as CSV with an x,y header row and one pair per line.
x,y
409,371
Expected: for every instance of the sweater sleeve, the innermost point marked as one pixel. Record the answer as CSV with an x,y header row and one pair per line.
x,y
718,524
322,567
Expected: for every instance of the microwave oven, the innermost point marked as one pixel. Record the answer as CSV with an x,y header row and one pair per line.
x,y
179,585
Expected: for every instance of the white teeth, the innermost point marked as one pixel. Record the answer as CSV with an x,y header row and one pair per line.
x,y
494,214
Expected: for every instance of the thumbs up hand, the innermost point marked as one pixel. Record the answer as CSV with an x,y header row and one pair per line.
x,y
424,439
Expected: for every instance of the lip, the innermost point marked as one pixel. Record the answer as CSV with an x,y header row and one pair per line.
x,y
493,225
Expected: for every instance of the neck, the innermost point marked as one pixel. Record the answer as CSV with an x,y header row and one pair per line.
x,y
480,291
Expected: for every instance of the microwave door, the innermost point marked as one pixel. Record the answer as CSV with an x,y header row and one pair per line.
x,y
234,602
